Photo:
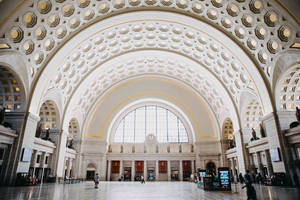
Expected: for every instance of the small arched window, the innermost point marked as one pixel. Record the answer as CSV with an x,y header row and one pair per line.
x,y
154,120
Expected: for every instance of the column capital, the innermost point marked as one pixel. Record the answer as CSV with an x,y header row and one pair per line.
x,y
33,116
268,116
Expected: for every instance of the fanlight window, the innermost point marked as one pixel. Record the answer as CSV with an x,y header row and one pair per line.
x,y
151,120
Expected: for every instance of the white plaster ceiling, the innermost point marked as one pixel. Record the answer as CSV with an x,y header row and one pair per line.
x,y
37,28
63,42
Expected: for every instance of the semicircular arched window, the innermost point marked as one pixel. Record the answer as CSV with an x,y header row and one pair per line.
x,y
151,120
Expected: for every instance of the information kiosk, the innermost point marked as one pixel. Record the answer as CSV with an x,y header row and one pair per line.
x,y
201,174
224,177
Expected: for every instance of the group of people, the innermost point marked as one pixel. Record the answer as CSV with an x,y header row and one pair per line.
x,y
251,193
97,180
258,178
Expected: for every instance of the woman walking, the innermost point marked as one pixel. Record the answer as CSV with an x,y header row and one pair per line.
x,y
96,180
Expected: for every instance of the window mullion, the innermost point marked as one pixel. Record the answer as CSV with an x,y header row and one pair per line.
x,y
178,130
167,125
145,121
134,126
123,129
156,121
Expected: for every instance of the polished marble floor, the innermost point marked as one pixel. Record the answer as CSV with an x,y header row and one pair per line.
x,y
137,191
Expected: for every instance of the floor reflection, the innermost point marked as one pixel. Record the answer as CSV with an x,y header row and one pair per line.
x,y
135,190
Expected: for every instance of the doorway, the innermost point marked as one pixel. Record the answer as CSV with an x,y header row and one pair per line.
x,y
90,174
127,173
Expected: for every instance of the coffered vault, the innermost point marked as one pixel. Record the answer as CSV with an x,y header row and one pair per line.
x,y
70,41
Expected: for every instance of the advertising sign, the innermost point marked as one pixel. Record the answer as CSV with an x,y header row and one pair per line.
x,y
275,155
224,177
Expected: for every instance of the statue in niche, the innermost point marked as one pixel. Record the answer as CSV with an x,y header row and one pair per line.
x,y
298,114
231,144
70,146
47,137
254,135
262,131
38,130
296,123
2,116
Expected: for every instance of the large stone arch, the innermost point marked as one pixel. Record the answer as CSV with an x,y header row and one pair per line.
x,y
49,115
284,62
14,63
12,92
227,135
261,38
97,127
286,82
92,88
256,77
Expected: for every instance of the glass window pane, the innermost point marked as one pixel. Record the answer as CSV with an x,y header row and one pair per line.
x,y
183,136
150,120
161,125
119,133
129,128
140,125
172,128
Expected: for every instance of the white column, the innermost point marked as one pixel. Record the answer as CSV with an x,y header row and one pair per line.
x,y
259,163
109,170
43,159
103,168
33,161
180,171
169,170
269,163
276,139
121,168
27,141
156,171
60,167
132,170
233,168
193,166
70,164
42,165
240,151
145,169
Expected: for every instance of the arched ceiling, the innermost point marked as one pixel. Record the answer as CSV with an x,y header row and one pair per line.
x,y
157,31
39,28
288,89
12,91
145,64
105,109
63,42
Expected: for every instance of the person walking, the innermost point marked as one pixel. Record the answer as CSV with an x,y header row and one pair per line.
x,y
96,180
251,193
142,179
247,177
241,178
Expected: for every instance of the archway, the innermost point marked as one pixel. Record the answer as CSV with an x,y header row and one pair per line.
x,y
74,135
49,124
90,171
227,135
211,167
12,107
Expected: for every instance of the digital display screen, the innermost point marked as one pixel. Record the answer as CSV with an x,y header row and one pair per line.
x,y
26,155
224,179
202,175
